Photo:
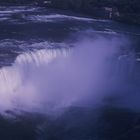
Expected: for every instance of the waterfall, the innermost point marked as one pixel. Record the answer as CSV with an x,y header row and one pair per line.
x,y
49,79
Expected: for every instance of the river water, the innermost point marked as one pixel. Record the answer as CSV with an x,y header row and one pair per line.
x,y
66,76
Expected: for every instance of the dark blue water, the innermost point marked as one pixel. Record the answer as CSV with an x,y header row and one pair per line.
x,y
66,76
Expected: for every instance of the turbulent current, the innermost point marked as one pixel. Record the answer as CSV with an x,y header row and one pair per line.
x,y
65,74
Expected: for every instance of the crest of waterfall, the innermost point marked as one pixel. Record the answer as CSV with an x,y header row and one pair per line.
x,y
13,78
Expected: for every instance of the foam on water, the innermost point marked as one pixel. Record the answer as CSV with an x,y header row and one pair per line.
x,y
16,9
54,17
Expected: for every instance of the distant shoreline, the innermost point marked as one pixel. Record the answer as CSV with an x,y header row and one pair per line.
x,y
103,12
